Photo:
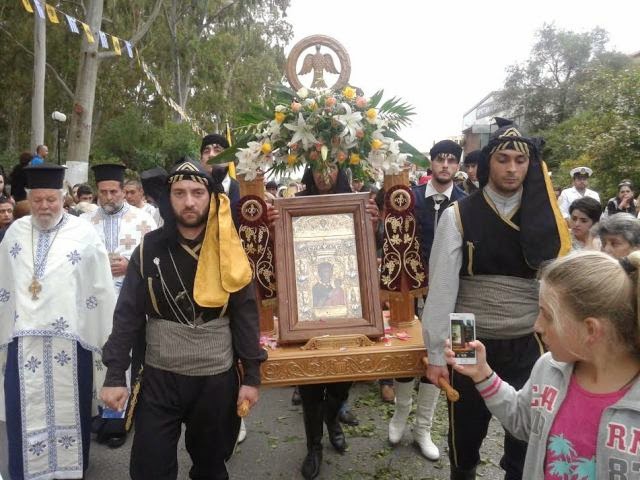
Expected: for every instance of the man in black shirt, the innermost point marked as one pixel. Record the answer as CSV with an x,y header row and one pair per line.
x,y
192,343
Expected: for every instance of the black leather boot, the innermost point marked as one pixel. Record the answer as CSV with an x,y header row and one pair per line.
x,y
336,435
459,474
312,414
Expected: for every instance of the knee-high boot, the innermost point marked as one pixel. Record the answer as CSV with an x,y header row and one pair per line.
x,y
313,417
426,406
398,422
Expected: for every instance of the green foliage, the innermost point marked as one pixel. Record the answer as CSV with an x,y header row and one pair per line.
x,y
546,87
211,56
605,134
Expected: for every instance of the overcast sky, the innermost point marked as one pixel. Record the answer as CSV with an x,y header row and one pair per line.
x,y
443,57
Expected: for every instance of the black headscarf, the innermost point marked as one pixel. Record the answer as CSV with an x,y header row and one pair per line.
x,y
184,169
341,186
543,231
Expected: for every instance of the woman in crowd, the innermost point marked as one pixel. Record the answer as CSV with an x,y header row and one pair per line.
x,y
619,234
584,213
624,201
580,409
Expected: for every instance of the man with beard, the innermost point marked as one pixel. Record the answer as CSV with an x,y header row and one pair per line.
x,y
121,227
485,255
431,199
192,280
56,310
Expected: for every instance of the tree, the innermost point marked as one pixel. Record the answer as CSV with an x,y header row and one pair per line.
x,y
84,97
545,88
605,133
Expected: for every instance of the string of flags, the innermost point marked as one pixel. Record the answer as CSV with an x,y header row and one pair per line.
x,y
53,14
44,11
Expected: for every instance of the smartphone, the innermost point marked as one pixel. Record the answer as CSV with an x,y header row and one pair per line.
x,y
462,330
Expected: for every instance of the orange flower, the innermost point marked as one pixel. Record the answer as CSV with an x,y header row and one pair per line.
x,y
292,159
295,107
359,133
330,102
354,159
342,156
361,102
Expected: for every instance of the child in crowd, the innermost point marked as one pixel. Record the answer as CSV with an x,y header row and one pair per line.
x,y
580,409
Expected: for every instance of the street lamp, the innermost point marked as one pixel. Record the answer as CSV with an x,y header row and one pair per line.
x,y
58,118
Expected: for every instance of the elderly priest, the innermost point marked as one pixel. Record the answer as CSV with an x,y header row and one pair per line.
x,y
56,308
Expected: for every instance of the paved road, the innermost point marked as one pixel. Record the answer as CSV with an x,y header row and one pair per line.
x,y
275,446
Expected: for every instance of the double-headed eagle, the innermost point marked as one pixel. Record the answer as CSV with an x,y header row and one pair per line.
x,y
318,62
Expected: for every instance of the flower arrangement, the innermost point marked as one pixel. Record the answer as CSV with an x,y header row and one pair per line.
x,y
322,128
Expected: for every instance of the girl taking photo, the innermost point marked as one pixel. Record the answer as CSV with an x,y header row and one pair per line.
x,y
580,409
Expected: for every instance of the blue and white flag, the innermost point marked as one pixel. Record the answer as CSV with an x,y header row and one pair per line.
x,y
73,26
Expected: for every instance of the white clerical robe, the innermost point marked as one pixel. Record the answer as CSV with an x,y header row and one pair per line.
x,y
154,212
56,294
121,232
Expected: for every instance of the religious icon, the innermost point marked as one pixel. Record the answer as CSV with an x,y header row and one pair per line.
x,y
324,247
327,276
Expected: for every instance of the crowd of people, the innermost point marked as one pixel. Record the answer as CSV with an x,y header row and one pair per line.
x,y
155,277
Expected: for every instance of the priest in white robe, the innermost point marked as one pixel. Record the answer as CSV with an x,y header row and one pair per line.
x,y
56,310
120,226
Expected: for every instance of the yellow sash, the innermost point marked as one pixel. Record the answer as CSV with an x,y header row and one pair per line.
x,y
223,267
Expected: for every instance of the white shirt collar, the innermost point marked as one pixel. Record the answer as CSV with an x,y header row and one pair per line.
x,y
430,191
226,184
504,205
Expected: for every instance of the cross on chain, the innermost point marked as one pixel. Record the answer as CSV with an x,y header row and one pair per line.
x,y
35,288
127,241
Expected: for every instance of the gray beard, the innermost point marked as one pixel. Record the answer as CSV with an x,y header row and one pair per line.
x,y
110,209
46,223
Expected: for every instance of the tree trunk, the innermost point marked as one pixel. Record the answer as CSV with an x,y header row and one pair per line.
x,y
39,65
82,114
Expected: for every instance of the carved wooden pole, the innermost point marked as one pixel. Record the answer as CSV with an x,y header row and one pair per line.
x,y
252,212
402,273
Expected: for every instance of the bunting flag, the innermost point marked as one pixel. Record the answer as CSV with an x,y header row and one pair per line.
x,y
39,8
73,26
72,22
129,49
51,13
87,32
116,45
27,6
103,40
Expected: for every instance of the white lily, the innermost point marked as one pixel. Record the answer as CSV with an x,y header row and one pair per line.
x,y
272,130
302,133
352,122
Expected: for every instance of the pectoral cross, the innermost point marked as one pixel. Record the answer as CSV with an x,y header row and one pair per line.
x,y
127,241
35,288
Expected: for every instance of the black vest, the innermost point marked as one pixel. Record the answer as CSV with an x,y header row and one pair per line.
x,y
185,258
490,245
425,217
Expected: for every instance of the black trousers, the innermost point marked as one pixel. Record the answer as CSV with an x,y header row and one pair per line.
x,y
206,404
319,400
469,418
